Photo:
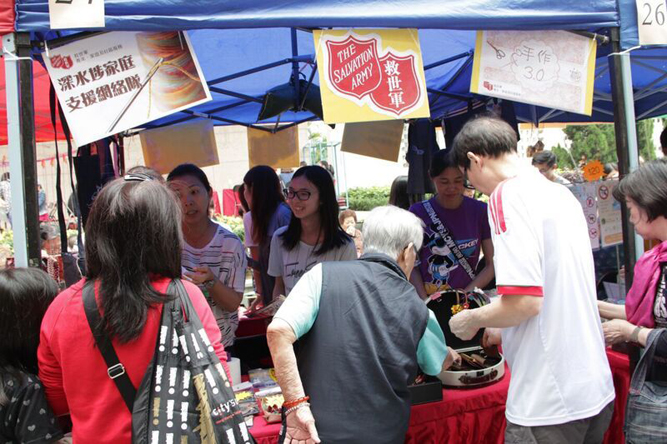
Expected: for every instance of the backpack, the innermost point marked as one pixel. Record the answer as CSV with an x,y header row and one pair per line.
x,y
185,395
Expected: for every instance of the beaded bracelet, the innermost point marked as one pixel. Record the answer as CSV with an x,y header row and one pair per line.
x,y
296,407
289,404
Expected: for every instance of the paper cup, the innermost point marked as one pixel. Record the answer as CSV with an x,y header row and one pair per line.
x,y
235,370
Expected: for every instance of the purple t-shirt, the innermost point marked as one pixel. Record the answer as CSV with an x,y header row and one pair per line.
x,y
469,225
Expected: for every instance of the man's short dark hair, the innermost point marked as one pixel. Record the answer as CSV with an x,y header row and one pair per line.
x,y
647,187
545,157
663,139
484,136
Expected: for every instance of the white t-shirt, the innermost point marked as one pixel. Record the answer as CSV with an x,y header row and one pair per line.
x,y
541,246
225,256
292,264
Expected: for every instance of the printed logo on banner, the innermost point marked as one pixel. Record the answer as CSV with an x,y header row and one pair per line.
x,y
378,73
400,90
61,62
354,67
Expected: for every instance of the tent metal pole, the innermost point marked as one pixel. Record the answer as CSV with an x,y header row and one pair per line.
x,y
295,67
22,149
303,59
626,143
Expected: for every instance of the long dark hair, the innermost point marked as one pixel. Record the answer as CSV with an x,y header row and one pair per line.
x,y
133,232
266,196
25,294
398,195
334,236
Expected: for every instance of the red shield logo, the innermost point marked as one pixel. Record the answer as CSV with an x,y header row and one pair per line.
x,y
354,69
59,61
400,89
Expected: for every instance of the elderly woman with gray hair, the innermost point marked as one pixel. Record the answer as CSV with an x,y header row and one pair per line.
x,y
363,334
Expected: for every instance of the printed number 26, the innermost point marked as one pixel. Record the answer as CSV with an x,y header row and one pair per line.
x,y
659,15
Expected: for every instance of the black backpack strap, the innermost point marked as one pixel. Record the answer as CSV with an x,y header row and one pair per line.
x,y
115,369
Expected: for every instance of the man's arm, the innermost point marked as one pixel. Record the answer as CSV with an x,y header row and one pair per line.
x,y
508,311
417,281
280,338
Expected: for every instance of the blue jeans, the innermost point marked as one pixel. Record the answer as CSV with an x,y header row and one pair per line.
x,y
646,412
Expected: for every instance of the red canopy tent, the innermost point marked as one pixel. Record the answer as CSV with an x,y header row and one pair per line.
x,y
43,127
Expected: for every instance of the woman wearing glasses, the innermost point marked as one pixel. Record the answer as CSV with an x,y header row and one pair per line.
x,y
213,257
313,235
456,231
268,212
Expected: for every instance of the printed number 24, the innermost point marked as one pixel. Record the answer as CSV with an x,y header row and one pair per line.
x,y
659,15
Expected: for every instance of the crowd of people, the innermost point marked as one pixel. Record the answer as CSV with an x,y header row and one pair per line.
x,y
354,298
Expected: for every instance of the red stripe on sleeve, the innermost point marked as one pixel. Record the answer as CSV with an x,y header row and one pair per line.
x,y
520,291
499,208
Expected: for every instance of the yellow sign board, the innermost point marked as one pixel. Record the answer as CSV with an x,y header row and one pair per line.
x,y
277,150
371,74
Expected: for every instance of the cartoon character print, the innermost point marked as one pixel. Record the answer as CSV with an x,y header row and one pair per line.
x,y
442,261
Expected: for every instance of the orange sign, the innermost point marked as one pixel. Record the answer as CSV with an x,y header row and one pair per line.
x,y
593,170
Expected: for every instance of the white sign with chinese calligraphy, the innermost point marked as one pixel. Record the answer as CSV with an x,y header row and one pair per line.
x,y
553,69
652,22
585,194
68,14
611,222
115,81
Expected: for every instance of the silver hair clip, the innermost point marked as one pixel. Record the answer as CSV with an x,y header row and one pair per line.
x,y
136,177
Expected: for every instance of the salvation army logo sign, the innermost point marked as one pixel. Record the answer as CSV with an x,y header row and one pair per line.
x,y
63,62
400,90
354,68
360,70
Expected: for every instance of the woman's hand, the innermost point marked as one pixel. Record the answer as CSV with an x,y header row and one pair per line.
x,y
617,331
199,275
453,358
301,427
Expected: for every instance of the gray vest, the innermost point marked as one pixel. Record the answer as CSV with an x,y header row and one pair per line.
x,y
360,355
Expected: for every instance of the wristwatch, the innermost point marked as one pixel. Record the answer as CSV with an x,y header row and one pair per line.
x,y
634,337
209,284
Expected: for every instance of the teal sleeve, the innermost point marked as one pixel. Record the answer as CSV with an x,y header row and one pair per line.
x,y
302,306
432,349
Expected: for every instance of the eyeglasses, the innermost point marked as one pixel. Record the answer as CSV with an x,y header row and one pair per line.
x,y
301,194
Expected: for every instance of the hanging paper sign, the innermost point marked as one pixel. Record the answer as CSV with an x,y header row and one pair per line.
x,y
593,170
368,75
585,194
164,147
277,150
67,14
553,69
381,140
115,81
611,222
652,22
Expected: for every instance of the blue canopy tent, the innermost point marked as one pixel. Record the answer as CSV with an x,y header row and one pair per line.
x,y
247,47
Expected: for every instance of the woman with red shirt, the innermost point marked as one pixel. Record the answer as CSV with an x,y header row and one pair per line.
x,y
133,251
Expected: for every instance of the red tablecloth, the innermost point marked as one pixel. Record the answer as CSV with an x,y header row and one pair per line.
x,y
477,415
255,326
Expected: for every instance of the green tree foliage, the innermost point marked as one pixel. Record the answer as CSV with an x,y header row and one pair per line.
x,y
599,141
564,160
365,199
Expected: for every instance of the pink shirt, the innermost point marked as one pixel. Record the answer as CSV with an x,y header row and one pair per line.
x,y
75,374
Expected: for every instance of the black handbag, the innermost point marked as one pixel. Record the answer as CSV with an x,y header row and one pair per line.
x,y
185,395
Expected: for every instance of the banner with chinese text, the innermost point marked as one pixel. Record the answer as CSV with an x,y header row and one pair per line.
x,y
111,82
553,69
371,74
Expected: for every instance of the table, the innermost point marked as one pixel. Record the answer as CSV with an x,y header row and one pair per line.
x,y
477,415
